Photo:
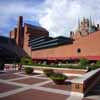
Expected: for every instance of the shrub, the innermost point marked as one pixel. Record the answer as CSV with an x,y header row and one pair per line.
x,y
28,70
48,72
58,78
84,63
95,66
98,63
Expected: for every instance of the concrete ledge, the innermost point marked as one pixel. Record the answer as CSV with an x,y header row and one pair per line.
x,y
85,82
86,76
54,68
62,70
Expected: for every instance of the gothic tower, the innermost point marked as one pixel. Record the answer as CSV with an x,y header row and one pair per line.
x,y
84,26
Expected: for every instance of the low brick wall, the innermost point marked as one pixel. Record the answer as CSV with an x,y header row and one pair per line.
x,y
85,82
78,87
72,71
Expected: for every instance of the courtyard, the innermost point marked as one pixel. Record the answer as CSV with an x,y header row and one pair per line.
x,y
15,85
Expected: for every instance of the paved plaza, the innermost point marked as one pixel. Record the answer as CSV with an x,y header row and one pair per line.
x,y
19,86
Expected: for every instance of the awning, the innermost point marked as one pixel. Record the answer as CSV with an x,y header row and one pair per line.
x,y
93,57
67,58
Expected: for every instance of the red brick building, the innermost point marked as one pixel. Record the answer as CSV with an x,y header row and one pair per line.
x,y
22,33
84,43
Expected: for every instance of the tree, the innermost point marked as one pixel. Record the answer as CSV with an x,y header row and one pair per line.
x,y
26,61
98,63
84,63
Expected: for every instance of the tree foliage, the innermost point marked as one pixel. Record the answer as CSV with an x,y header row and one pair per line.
x,y
26,61
84,62
98,63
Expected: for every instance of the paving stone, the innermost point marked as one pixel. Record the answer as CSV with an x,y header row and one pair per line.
x,y
7,87
35,95
33,74
35,88
30,81
55,86
9,76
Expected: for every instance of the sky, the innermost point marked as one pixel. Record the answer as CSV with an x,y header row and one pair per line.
x,y
59,17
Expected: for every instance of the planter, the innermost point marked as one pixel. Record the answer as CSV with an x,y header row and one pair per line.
x,y
58,81
58,78
28,70
48,72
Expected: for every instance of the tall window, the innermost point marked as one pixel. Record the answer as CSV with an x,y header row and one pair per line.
x,y
78,50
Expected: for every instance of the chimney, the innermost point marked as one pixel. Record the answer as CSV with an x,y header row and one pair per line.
x,y
20,21
20,31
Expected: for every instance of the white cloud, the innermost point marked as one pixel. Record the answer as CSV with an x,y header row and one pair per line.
x,y
10,11
61,16
57,16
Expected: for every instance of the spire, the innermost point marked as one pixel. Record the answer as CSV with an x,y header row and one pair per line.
x,y
78,23
90,22
93,23
83,19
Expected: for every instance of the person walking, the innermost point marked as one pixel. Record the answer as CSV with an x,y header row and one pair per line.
x,y
20,67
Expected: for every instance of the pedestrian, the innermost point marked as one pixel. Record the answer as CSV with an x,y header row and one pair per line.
x,y
88,69
20,67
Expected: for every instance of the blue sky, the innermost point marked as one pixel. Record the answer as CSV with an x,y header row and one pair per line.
x,y
59,17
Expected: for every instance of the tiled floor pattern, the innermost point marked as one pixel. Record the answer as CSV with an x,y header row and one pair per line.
x,y
7,87
19,86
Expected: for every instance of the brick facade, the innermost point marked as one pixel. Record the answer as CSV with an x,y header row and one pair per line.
x,y
87,43
22,33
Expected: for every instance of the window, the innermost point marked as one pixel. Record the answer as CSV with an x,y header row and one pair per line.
x,y
78,50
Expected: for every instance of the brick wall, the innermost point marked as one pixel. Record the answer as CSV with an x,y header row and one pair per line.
x,y
87,44
85,84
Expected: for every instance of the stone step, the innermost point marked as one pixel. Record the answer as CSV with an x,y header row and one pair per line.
x,y
98,84
97,87
94,92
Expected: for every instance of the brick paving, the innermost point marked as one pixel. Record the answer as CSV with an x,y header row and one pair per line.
x,y
69,78
7,87
19,86
23,73
87,99
35,95
66,87
30,81
9,76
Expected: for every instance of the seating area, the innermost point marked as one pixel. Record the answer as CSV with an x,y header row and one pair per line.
x,y
15,84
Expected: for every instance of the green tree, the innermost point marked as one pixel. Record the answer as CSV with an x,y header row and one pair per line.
x,y
84,63
26,61
98,63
